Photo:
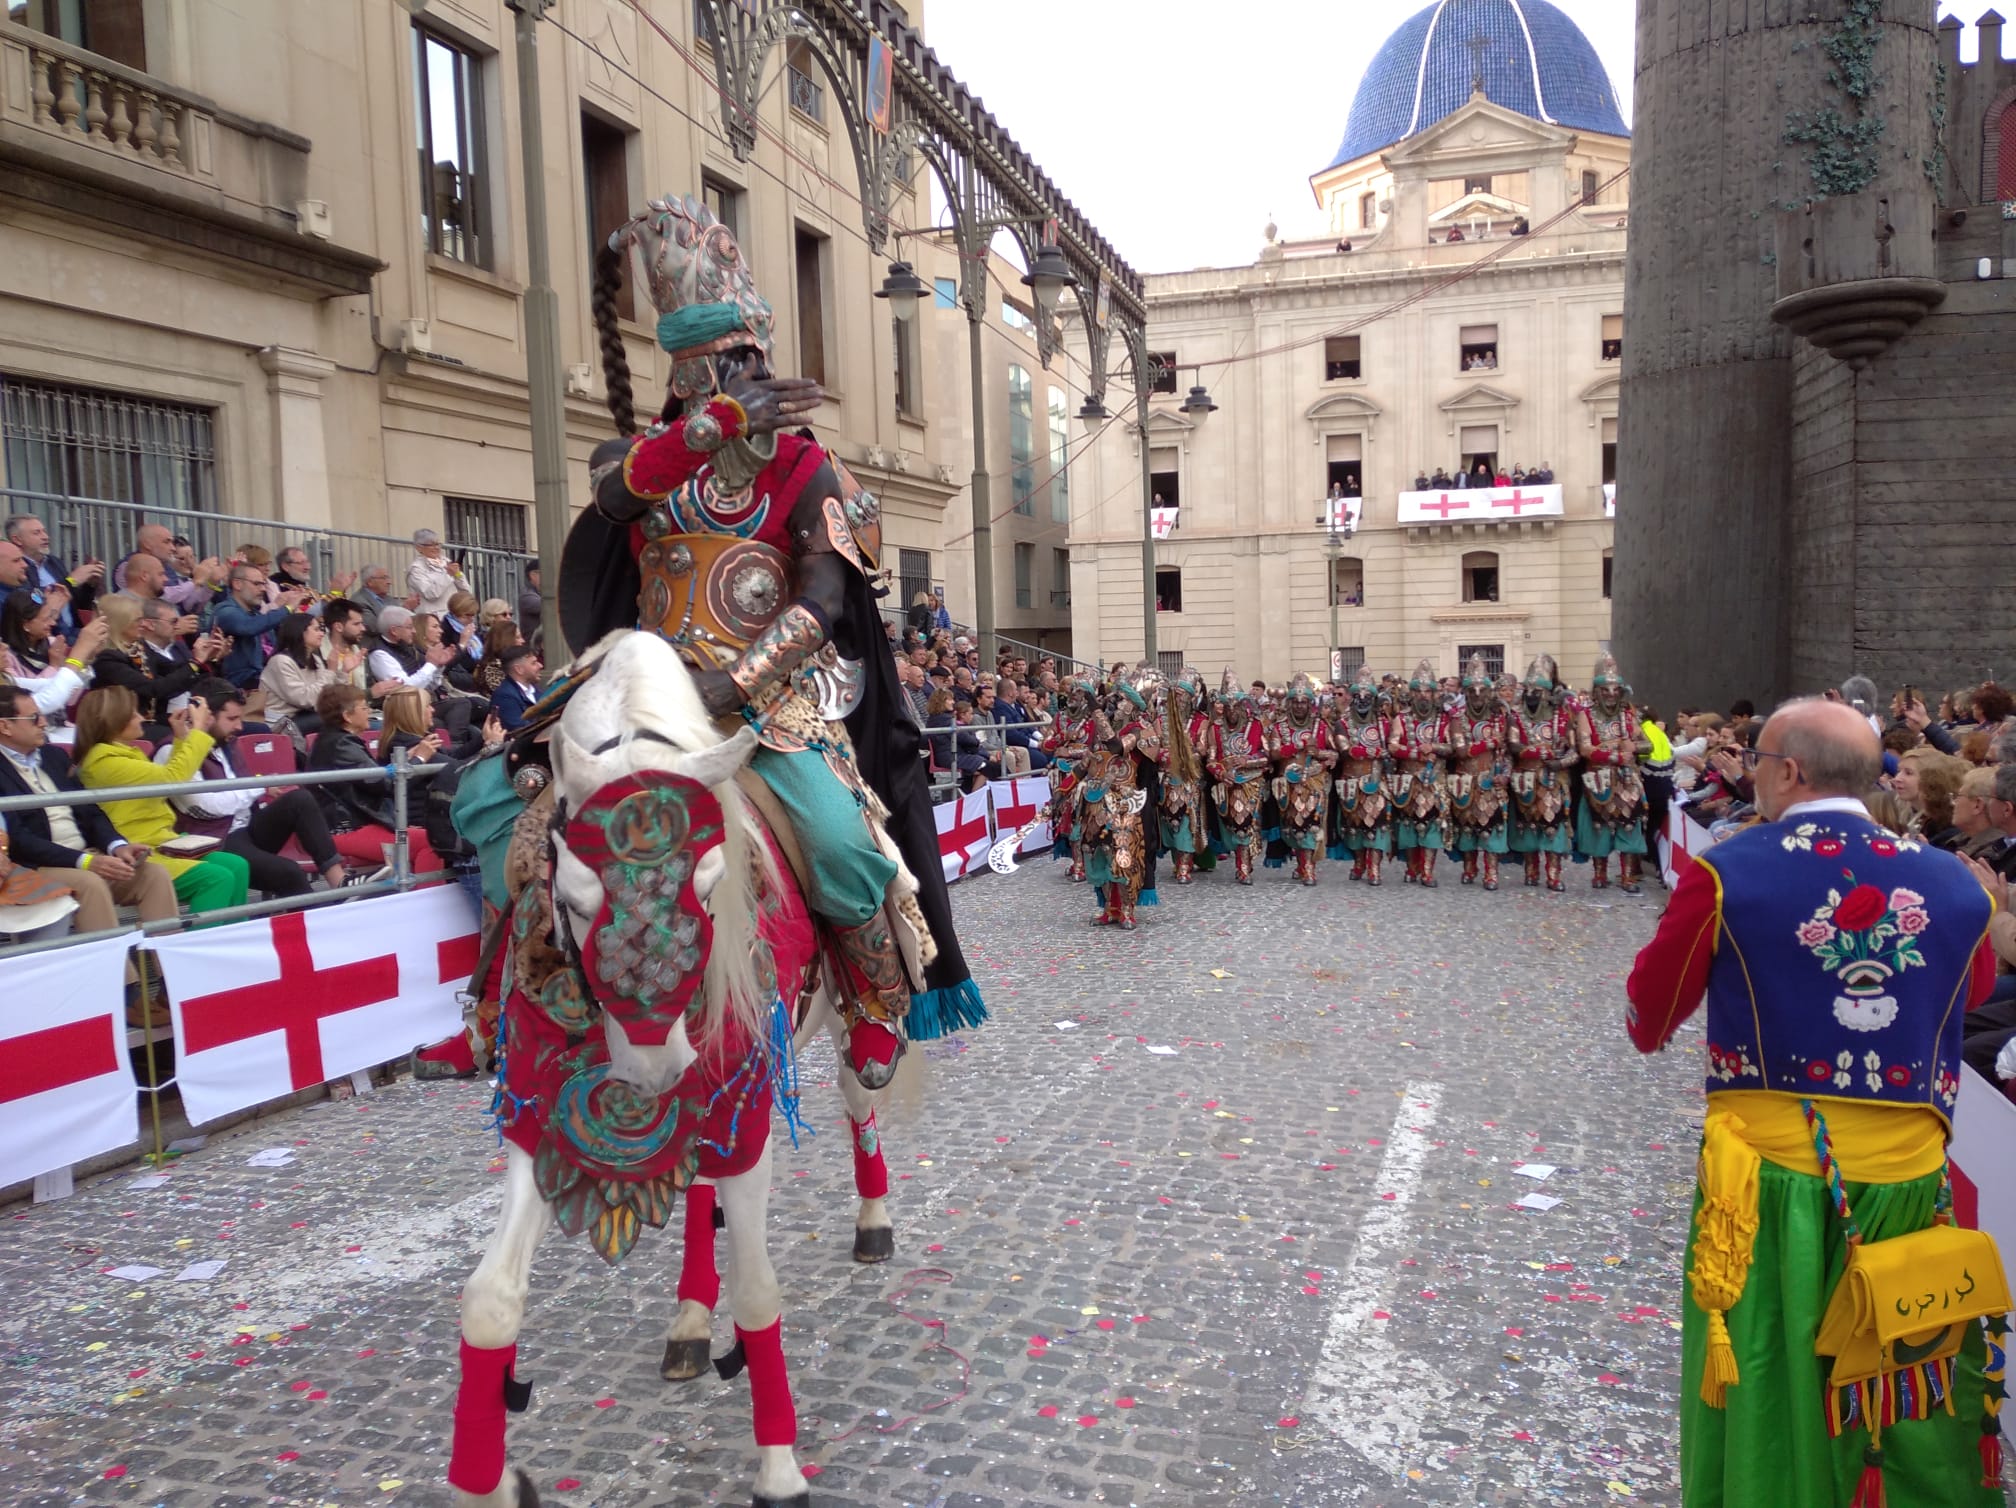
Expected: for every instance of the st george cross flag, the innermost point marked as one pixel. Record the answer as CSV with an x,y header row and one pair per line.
x,y
1163,521
963,834
1016,803
66,1083
263,1008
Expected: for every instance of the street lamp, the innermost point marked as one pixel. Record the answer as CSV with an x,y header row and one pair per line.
x,y
1198,405
1092,413
903,288
1048,276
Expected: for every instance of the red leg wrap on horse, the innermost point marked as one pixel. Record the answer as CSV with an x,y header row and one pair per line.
x,y
476,1460
871,1174
769,1388
699,1279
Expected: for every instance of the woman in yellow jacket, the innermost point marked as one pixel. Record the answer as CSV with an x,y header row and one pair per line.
x,y
109,754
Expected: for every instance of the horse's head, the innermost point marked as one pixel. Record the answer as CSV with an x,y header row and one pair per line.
x,y
640,712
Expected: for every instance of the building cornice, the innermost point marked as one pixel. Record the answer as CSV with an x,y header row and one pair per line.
x,y
1560,271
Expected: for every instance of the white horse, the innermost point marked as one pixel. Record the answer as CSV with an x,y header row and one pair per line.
x,y
640,713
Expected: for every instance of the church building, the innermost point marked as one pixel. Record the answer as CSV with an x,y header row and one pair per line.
x,y
1462,313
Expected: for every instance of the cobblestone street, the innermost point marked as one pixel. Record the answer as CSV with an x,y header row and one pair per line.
x,y
1219,1212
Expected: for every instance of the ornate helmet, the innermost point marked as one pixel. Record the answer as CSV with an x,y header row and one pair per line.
x,y
1607,674
1229,689
1139,685
1476,675
1543,672
1084,683
1425,678
1302,688
699,282
1364,685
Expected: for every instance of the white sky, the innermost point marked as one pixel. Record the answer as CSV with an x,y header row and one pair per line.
x,y
1178,135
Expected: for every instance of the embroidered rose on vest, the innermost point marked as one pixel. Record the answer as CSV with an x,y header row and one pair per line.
x,y
1814,933
1829,848
1862,908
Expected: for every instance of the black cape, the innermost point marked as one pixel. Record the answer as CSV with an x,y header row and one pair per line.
x,y
599,586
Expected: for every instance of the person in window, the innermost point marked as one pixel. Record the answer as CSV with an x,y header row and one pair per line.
x,y
109,755
250,825
1483,475
433,577
1519,477
1501,479
1440,479
360,814
1351,484
1344,245
520,689
1520,227
1421,483
1462,480
1455,235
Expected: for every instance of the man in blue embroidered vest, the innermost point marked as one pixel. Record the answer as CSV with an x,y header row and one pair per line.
x,y
1837,960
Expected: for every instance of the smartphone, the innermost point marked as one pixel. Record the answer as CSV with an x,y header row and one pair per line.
x,y
178,704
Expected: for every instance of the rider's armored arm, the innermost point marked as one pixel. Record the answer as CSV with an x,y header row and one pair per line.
x,y
830,548
626,476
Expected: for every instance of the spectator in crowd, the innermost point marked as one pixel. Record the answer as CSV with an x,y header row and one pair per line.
x,y
1887,811
972,761
109,755
348,641
146,578
1462,480
1925,784
1977,833
409,722
1440,479
13,565
245,616
938,715
986,720
531,605
360,814
919,617
2002,817
462,626
35,650
189,590
373,596
433,577
130,660
55,692
520,688
297,674
1859,692
400,657
30,536
1990,1026
252,826
76,845
490,673
1421,482
258,555
941,619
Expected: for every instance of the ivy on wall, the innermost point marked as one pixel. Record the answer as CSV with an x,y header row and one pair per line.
x,y
1841,142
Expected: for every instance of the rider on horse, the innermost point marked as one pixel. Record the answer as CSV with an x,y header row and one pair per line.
x,y
751,550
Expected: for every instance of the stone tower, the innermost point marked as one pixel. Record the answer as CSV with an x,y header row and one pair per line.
x,y
1818,418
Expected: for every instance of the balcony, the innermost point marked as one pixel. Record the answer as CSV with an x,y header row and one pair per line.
x,y
807,98
87,138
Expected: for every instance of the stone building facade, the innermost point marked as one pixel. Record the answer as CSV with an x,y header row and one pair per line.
x,y
268,260
1476,314
1819,409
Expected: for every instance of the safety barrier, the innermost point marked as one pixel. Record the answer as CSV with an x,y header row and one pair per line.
x,y
264,1000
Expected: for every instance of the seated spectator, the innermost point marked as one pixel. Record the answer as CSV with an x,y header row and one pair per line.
x,y
409,722
1989,1028
400,656
1887,811
34,650
1978,835
291,568
520,688
298,673
1925,784
251,825
938,714
155,674
2002,817
245,617
1974,748
461,627
75,846
360,814
109,755
975,765
261,559
1025,737
490,673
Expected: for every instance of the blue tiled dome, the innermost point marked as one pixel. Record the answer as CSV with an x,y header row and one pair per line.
x,y
1533,60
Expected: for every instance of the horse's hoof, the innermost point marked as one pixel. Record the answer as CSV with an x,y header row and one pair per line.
x,y
797,1500
685,1359
874,1243
528,1495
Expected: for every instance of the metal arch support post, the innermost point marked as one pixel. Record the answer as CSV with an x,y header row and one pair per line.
x,y
1144,384
550,512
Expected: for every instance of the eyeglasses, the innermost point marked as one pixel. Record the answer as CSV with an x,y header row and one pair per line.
x,y
26,717
1751,757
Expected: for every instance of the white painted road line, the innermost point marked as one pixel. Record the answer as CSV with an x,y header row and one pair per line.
x,y
1365,1392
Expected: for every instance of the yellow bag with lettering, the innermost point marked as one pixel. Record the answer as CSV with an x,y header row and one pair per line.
x,y
1909,1300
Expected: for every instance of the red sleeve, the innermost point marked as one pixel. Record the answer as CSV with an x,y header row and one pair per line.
x,y
1981,974
661,464
1671,974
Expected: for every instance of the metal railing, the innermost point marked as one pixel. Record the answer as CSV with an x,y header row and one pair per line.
x,y
86,528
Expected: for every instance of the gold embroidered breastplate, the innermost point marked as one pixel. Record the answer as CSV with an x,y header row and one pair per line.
x,y
712,594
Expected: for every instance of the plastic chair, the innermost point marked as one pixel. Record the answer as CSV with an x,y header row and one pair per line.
x,y
264,754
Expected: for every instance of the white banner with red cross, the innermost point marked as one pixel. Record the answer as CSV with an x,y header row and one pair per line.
x,y
1479,505
964,833
1016,804
263,1008
66,1082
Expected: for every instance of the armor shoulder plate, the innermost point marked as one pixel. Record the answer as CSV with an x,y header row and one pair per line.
x,y
854,520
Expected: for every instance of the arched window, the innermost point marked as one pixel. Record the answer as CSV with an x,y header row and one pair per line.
x,y
1347,583
1480,576
1022,439
2005,162
1060,458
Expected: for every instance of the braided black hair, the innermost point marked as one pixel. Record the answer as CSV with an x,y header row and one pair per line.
x,y
615,360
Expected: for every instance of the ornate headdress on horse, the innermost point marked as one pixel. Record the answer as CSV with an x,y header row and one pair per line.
x,y
699,282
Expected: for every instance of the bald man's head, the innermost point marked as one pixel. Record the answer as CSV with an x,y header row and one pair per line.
x,y
1815,748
